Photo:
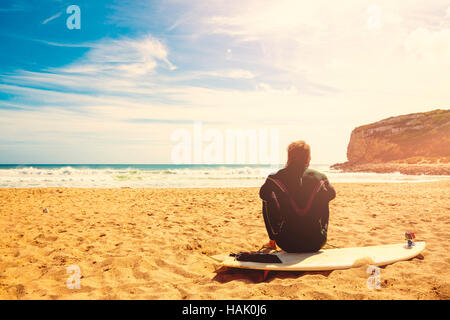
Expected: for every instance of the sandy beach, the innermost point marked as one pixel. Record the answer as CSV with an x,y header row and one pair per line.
x,y
155,243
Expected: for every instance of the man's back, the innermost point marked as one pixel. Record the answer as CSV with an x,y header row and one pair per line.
x,y
308,216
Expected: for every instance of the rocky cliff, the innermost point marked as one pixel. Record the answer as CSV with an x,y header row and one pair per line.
x,y
419,139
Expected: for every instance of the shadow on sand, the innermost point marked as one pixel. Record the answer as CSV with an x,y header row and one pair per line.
x,y
224,275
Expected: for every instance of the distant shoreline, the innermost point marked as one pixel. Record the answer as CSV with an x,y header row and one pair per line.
x,y
176,176
436,169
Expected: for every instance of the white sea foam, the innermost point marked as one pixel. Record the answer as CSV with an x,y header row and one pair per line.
x,y
171,176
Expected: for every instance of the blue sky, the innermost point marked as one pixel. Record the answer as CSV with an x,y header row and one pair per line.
x,y
116,90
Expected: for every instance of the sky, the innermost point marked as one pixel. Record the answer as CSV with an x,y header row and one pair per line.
x,y
136,73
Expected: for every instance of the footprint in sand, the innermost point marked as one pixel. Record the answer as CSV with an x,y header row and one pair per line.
x,y
17,290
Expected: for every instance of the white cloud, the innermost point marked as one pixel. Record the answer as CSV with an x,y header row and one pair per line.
x,y
428,46
114,67
129,57
17,6
230,73
52,18
257,19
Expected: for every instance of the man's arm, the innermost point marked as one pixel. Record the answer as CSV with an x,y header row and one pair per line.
x,y
266,191
330,193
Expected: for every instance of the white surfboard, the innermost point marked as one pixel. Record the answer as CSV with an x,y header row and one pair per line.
x,y
330,259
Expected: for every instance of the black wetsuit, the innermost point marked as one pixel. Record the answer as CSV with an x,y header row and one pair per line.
x,y
303,230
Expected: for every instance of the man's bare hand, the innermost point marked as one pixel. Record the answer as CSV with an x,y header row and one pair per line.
x,y
269,246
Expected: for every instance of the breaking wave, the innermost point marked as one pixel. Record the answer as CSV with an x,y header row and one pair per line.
x,y
168,176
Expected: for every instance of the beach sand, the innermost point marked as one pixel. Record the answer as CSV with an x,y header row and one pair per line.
x,y
154,243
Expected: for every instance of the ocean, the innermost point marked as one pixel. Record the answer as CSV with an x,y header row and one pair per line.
x,y
168,175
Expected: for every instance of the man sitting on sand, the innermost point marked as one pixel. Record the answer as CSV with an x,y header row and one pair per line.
x,y
296,203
